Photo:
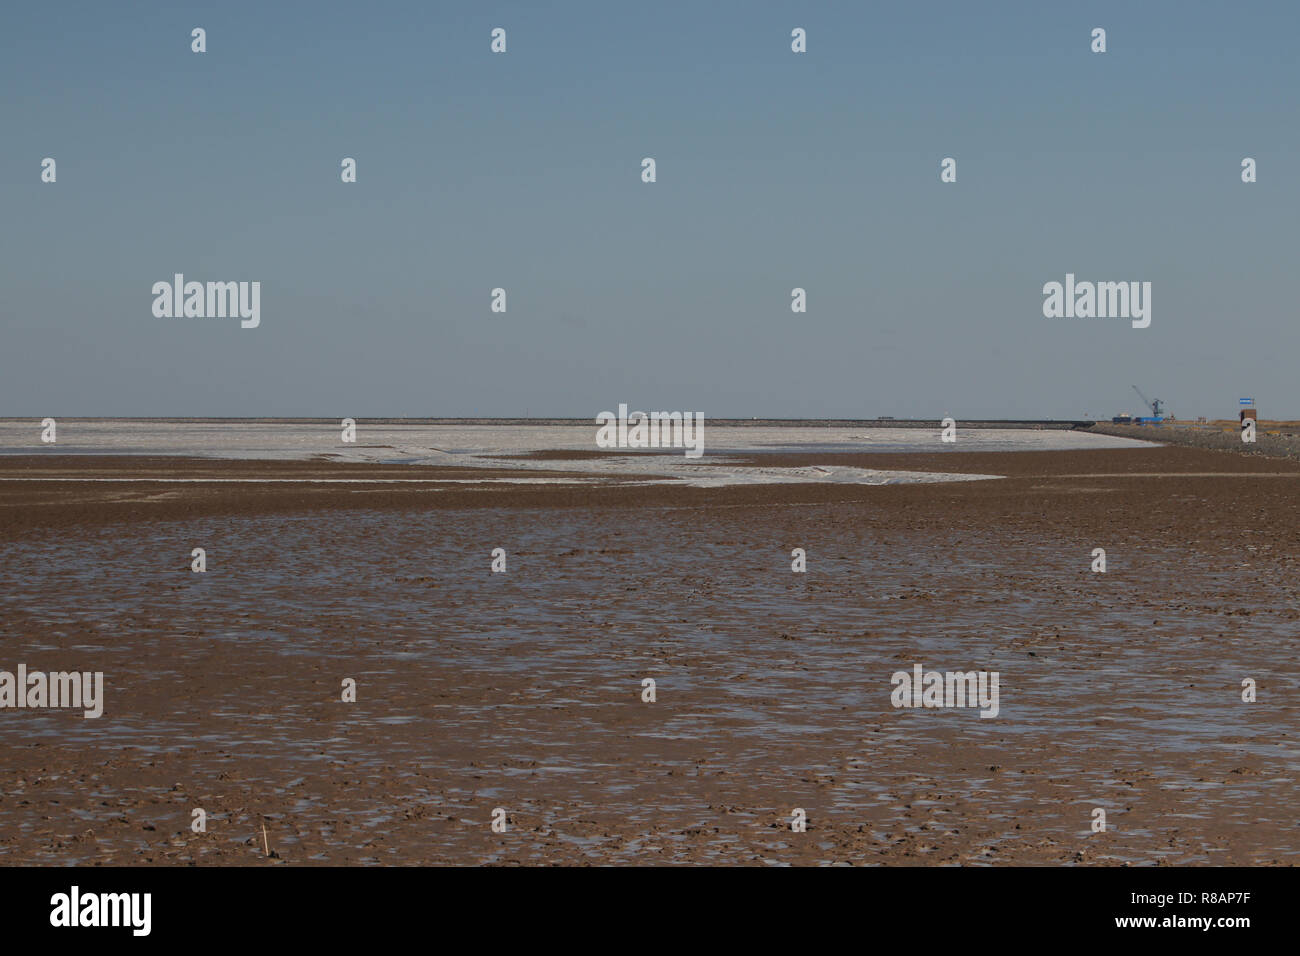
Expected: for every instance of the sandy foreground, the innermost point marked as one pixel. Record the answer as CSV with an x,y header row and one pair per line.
x,y
523,690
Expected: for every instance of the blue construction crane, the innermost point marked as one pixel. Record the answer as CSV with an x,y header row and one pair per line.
x,y
1153,404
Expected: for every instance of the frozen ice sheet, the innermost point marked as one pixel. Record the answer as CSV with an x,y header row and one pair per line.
x,y
478,445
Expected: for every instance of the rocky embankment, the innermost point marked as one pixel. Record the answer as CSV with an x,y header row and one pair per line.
x,y
1284,443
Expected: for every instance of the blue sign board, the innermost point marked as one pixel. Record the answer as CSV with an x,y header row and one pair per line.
x,y
1245,401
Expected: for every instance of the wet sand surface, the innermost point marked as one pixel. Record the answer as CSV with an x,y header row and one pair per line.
x,y
523,690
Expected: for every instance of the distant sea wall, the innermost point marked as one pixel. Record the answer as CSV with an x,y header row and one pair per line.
x,y
1270,446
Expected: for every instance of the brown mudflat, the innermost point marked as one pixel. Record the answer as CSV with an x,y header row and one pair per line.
x,y
522,691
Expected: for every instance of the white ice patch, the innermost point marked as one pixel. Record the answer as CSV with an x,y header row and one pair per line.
x,y
474,446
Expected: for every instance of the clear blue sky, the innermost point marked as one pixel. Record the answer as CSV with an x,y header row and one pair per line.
x,y
522,170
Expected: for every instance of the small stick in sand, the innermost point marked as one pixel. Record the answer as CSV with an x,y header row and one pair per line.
x,y
266,846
